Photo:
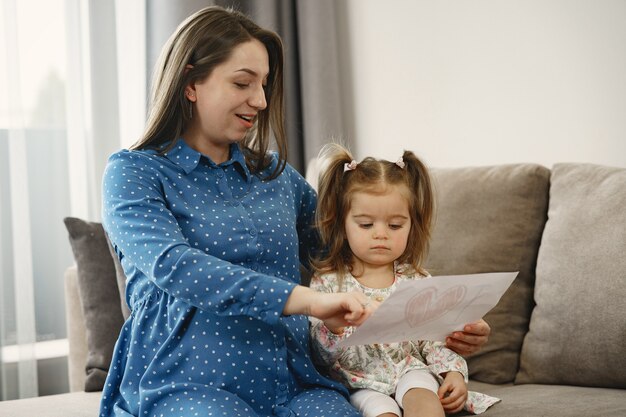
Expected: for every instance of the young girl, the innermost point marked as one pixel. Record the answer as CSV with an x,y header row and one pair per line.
x,y
374,219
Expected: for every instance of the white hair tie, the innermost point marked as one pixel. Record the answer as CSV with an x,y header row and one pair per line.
x,y
350,166
400,163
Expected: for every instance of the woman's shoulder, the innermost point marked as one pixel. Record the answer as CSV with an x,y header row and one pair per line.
x,y
290,177
139,159
274,162
137,163
289,172
134,156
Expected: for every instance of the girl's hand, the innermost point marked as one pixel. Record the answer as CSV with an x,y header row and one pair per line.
x,y
471,339
453,392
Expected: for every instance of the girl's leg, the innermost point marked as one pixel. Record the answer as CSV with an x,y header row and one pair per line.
x,y
421,402
372,403
417,394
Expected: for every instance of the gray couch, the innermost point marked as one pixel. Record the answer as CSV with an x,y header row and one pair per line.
x,y
558,344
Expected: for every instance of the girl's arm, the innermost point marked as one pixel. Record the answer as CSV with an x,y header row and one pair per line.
x,y
441,360
452,368
453,392
471,339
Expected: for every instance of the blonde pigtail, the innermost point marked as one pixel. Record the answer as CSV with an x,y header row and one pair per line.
x,y
419,181
331,209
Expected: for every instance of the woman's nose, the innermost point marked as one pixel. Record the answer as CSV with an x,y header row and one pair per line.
x,y
257,100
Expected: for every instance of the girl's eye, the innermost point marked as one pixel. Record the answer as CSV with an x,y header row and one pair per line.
x,y
395,226
365,225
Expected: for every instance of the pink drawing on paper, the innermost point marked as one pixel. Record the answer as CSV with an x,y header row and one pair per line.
x,y
426,306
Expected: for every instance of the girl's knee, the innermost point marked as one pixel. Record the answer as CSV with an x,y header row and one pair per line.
x,y
371,403
421,402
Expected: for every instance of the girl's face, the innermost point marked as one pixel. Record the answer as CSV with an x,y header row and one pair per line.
x,y
378,226
227,102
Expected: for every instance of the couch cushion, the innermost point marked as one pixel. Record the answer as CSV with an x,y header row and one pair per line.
x,y
99,296
76,331
578,328
76,404
551,401
490,219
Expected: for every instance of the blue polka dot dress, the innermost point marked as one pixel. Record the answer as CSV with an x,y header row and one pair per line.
x,y
211,254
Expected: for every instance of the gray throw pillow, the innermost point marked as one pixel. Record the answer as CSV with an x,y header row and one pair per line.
x,y
490,219
99,296
578,327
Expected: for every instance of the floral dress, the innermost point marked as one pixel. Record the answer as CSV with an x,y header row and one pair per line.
x,y
380,366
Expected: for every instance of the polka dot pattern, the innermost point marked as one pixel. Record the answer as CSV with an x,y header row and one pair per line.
x,y
211,254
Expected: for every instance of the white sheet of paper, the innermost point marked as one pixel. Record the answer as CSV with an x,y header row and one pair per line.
x,y
431,308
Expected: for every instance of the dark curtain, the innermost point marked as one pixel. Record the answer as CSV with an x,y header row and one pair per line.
x,y
313,108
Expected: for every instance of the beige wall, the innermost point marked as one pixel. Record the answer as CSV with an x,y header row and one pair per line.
x,y
486,82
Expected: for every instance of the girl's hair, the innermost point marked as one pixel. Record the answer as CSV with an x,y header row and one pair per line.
x,y
205,40
337,187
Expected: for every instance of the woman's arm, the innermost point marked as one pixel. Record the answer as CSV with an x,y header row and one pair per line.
x,y
342,309
138,219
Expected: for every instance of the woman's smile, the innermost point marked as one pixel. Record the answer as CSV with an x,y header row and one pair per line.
x,y
247,120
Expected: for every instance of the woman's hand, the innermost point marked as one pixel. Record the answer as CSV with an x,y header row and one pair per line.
x,y
336,310
471,339
453,392
336,323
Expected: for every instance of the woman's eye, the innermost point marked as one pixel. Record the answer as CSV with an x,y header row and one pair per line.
x,y
242,85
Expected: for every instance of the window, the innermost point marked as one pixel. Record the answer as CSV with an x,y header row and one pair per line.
x,y
64,108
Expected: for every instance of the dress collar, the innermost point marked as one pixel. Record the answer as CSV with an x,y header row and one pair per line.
x,y
188,159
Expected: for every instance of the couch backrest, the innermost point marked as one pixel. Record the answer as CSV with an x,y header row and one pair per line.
x,y
577,331
490,219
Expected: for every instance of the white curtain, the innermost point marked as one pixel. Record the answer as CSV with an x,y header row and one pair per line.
x,y
72,91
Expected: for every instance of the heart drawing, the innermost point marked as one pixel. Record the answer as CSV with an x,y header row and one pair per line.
x,y
425,306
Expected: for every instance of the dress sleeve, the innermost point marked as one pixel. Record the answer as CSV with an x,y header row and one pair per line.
x,y
323,341
440,359
138,220
306,203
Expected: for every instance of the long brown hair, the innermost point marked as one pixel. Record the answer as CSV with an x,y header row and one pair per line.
x,y
336,188
205,40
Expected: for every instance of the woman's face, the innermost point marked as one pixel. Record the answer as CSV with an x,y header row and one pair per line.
x,y
227,102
